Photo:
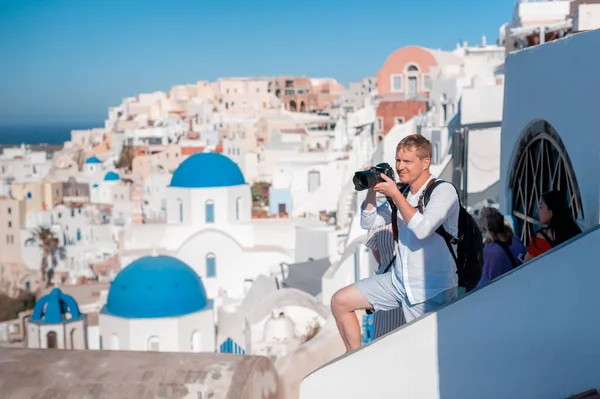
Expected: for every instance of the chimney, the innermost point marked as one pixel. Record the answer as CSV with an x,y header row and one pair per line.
x,y
483,41
465,44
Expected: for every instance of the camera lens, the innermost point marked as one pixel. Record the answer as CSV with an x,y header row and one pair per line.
x,y
361,180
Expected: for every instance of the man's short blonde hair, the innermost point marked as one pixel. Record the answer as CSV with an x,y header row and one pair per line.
x,y
420,144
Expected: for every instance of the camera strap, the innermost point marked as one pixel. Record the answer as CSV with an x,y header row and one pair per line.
x,y
394,225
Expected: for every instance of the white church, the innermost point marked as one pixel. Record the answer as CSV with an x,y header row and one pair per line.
x,y
210,228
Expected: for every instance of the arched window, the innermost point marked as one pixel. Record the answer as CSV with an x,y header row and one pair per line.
x,y
211,265
238,207
412,68
51,341
180,208
72,338
114,342
209,209
542,164
196,343
153,344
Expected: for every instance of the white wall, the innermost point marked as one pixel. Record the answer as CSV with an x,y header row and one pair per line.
x,y
515,338
531,93
174,333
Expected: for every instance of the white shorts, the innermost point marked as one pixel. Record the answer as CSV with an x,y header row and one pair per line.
x,y
381,293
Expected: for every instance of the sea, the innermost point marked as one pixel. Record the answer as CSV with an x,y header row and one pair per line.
x,y
16,134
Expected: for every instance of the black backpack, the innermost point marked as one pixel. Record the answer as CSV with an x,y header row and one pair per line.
x,y
469,250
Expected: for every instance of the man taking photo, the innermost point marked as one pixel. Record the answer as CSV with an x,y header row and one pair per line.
x,y
423,276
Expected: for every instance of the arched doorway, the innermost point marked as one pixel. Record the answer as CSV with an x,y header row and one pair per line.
x,y
51,341
196,341
302,106
542,164
293,106
72,338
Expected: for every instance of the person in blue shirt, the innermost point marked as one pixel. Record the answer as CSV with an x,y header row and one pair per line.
x,y
502,251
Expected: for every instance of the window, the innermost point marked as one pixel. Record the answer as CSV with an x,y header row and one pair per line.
x,y
209,210
72,213
211,265
153,344
238,204
399,120
314,180
435,153
426,82
396,83
29,194
180,206
9,224
9,211
379,123
412,68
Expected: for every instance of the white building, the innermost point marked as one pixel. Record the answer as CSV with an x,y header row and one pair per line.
x,y
157,303
57,323
209,227
102,191
547,142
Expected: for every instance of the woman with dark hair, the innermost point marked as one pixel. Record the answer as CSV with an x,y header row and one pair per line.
x,y
554,212
502,251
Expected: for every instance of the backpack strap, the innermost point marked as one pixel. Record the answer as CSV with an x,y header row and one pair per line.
x,y
506,249
424,200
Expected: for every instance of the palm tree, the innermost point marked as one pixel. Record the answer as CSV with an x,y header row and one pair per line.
x,y
46,240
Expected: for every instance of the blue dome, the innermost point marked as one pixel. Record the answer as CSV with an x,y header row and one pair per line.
x,y
92,159
208,169
54,308
111,176
153,287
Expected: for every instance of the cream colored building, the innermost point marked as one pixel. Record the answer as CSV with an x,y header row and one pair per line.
x,y
158,159
38,195
12,217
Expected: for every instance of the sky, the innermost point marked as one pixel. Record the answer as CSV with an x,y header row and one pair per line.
x,y
67,61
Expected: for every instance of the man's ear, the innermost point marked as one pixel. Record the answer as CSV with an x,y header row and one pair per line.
x,y
426,163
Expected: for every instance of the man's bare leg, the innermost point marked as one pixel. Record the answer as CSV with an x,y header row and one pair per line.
x,y
343,304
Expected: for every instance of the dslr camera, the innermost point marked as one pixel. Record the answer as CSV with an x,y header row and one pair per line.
x,y
368,178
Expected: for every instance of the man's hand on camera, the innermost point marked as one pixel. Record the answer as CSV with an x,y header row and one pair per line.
x,y
387,187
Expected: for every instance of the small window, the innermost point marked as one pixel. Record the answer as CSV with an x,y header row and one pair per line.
x,y
9,224
238,205
412,68
396,83
211,265
380,123
29,194
426,82
9,211
209,209
399,120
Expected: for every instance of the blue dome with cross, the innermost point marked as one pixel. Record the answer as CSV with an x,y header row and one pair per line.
x,y
156,287
55,307
206,170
